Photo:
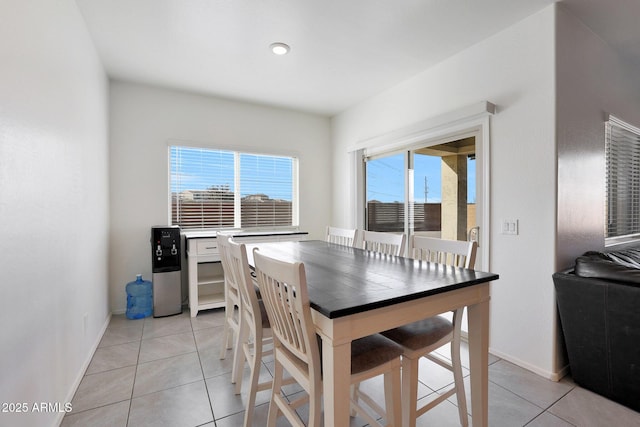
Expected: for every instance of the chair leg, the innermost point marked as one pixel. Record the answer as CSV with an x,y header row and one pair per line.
x,y
239,356
223,347
225,335
354,391
255,361
275,389
315,408
409,391
457,375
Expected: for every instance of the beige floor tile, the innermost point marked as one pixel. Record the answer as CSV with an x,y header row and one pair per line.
x,y
162,326
113,357
167,346
435,376
443,415
121,321
505,408
259,418
114,415
303,413
526,384
208,319
186,405
121,335
166,373
586,409
104,388
210,337
225,402
212,365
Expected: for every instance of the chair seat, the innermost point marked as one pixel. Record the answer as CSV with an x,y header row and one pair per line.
x,y
372,351
422,333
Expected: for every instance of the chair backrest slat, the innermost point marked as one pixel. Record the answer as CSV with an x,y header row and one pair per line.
x,y
385,243
451,252
341,236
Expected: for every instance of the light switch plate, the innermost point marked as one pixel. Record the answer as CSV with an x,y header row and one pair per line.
x,y
510,226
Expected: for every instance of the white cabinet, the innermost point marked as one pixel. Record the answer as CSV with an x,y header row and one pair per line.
x,y
206,278
205,274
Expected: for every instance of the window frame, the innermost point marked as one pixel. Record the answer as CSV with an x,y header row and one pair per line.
x,y
633,236
237,199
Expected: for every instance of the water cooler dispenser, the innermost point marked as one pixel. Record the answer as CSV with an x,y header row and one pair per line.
x,y
167,282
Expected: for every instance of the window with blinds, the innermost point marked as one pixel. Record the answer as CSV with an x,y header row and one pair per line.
x,y
230,189
622,150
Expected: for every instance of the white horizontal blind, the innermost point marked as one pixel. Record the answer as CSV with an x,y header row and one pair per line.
x,y
622,147
273,208
223,189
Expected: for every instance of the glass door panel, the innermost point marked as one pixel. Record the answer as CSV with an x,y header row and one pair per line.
x,y
427,194
444,183
385,193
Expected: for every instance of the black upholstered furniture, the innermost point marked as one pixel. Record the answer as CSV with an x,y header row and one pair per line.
x,y
599,305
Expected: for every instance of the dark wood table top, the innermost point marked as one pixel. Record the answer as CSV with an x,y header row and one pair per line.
x,y
343,280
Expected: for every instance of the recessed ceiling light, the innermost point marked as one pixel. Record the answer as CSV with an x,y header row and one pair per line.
x,y
280,48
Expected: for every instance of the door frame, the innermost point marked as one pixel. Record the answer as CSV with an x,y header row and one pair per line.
x,y
465,122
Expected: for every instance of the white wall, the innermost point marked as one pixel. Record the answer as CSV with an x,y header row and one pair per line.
x,y
53,204
514,69
144,119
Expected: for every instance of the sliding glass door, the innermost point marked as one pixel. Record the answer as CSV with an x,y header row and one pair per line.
x,y
430,191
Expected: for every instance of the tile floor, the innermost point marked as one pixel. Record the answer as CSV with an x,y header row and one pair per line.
x,y
166,372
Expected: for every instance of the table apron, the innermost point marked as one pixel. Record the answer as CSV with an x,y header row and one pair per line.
x,y
348,328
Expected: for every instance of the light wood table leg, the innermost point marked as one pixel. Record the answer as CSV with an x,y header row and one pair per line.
x,y
336,364
478,315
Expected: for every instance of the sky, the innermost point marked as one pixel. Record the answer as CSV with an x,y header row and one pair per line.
x,y
199,169
385,179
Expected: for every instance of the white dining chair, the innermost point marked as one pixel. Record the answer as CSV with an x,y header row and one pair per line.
x,y
255,331
232,318
377,241
283,287
421,338
341,236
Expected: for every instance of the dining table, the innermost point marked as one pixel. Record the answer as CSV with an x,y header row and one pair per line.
x,y
354,293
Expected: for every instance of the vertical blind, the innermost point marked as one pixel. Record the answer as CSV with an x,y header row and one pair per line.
x,y
222,189
622,152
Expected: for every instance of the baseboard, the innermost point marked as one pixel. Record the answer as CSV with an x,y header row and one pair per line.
x,y
563,372
85,366
553,376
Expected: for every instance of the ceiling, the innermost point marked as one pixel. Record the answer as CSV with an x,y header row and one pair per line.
x,y
342,52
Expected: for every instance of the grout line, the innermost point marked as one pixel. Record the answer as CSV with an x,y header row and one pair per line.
x,y
166,389
551,414
546,410
135,374
206,387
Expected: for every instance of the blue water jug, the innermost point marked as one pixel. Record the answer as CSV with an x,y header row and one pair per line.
x,y
139,298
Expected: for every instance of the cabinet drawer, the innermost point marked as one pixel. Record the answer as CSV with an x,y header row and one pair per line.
x,y
207,247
